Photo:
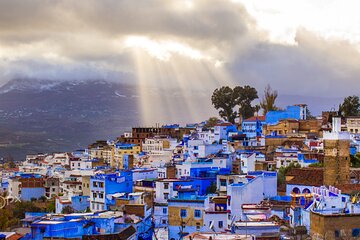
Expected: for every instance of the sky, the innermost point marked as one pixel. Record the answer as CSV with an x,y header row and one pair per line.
x,y
305,49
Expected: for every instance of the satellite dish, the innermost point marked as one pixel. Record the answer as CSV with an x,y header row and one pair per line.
x,y
232,220
211,225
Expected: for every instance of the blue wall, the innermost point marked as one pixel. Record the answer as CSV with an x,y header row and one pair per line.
x,y
28,193
291,112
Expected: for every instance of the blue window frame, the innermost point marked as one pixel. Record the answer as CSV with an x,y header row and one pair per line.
x,y
164,210
197,213
183,213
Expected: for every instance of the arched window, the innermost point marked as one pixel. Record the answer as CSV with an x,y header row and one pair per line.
x,y
296,190
306,190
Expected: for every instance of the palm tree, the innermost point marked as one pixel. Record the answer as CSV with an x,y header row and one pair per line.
x,y
267,103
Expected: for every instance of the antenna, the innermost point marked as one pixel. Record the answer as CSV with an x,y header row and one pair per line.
x,y
212,225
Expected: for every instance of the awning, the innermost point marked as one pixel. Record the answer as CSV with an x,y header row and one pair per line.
x,y
257,217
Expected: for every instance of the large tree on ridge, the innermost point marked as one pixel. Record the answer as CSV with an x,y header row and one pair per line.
x,y
225,99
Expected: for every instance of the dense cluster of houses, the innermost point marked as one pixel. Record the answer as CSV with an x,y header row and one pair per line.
x,y
200,182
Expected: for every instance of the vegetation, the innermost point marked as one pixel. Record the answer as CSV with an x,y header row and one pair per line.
x,y
267,103
225,99
67,210
211,188
43,198
21,207
355,160
309,114
211,122
284,170
50,207
316,165
350,106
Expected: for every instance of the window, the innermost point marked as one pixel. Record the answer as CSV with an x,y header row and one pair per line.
x,y
183,213
220,224
197,213
164,210
94,184
337,233
166,185
94,195
223,182
197,226
343,199
164,221
166,196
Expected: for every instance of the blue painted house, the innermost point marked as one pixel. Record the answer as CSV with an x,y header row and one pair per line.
x,y
102,186
252,127
78,203
297,112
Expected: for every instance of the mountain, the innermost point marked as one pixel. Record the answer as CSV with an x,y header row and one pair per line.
x,y
46,116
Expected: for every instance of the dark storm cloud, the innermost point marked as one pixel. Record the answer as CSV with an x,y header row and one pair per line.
x,y
63,39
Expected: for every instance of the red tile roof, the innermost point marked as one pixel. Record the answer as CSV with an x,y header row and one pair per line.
x,y
15,236
254,118
349,188
306,176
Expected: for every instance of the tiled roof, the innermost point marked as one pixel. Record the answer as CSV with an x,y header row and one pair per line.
x,y
349,188
306,176
253,119
15,236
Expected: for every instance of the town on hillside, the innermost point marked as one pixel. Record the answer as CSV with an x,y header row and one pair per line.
x,y
255,172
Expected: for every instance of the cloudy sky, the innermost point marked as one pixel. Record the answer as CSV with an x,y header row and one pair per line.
x,y
304,48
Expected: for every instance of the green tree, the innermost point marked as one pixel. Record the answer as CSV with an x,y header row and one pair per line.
x,y
350,106
309,115
225,99
43,198
316,165
211,188
21,207
284,170
245,96
355,160
267,103
4,219
51,207
67,210
211,122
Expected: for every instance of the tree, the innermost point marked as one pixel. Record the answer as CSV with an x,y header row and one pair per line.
x,y
267,103
211,188
284,170
67,210
309,115
21,207
43,198
245,95
226,99
355,160
51,207
211,122
350,106
4,220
